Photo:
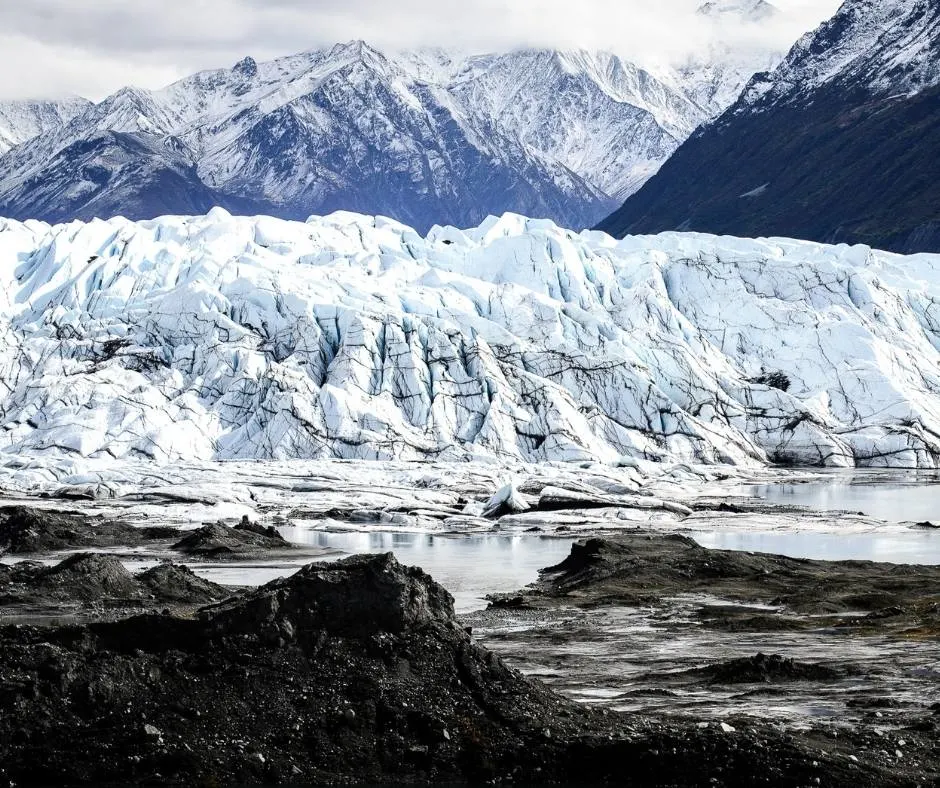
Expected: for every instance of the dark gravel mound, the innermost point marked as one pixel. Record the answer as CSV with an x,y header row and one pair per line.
x,y
764,669
355,598
638,568
219,541
354,671
94,578
26,530
86,577
174,583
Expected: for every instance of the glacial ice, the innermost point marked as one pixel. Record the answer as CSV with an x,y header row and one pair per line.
x,y
194,339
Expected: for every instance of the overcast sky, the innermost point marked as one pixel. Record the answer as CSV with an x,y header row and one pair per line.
x,y
93,47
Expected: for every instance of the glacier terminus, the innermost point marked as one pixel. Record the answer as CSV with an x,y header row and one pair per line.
x,y
346,336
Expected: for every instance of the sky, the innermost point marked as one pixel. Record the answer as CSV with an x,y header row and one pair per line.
x,y
91,48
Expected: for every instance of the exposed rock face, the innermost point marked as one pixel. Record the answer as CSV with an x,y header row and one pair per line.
x,y
353,671
836,145
352,337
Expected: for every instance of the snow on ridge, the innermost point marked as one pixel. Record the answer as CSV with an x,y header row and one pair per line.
x,y
22,120
884,47
200,338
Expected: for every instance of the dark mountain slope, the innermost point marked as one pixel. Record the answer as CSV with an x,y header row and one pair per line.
x,y
114,174
838,145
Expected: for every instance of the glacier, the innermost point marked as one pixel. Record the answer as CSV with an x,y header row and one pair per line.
x,y
196,339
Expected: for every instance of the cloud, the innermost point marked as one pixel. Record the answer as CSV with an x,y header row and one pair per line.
x,y
92,47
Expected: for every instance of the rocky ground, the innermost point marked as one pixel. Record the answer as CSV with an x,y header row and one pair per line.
x,y
359,671
351,671
656,624
90,587
644,568
25,530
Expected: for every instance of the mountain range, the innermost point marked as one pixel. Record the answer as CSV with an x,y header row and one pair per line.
x,y
839,144
426,137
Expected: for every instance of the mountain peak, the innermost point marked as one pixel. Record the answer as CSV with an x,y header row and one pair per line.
x,y
247,67
836,144
424,136
746,10
881,48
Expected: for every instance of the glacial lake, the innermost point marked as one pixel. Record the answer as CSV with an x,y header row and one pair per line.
x,y
470,567
898,496
474,565
913,547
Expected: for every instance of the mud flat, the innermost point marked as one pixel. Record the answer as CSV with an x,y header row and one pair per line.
x,y
353,671
654,624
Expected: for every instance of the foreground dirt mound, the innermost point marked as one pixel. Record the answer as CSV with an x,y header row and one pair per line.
x,y
101,579
26,530
219,541
350,671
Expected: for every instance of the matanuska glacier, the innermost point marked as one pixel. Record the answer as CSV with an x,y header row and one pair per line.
x,y
354,337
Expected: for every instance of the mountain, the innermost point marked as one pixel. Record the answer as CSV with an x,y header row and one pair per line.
x,y
747,10
23,120
427,136
840,143
715,78
196,338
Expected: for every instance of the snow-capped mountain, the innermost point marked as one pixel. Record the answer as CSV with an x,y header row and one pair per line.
x,y
23,120
354,337
839,143
714,79
747,10
882,48
427,136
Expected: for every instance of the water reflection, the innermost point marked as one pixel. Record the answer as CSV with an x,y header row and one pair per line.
x,y
469,566
896,548
894,496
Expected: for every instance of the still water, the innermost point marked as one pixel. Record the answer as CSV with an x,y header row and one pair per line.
x,y
909,497
470,567
914,547
888,495
474,565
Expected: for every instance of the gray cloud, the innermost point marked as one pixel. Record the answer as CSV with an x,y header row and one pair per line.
x,y
92,47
